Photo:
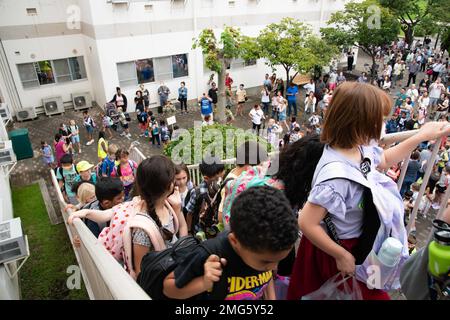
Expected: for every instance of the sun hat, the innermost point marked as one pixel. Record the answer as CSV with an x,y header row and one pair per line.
x,y
84,166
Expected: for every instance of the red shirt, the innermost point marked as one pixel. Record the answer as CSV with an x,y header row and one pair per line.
x,y
228,82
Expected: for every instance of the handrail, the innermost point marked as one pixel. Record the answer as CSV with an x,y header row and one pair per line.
x,y
399,137
103,276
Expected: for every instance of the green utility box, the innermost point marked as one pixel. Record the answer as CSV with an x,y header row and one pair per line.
x,y
21,143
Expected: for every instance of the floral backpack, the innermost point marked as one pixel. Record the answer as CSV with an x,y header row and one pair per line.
x,y
254,177
117,238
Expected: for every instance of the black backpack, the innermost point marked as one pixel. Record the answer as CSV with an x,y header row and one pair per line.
x,y
157,265
206,208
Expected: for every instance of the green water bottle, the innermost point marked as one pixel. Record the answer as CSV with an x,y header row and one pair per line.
x,y
439,251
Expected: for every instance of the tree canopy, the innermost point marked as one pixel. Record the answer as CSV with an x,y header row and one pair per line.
x,y
365,25
292,44
421,14
219,53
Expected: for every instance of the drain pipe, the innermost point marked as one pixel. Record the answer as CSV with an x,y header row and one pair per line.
x,y
11,93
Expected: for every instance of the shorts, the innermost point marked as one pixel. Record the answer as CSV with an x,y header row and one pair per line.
x,y
142,126
124,125
89,129
205,115
76,139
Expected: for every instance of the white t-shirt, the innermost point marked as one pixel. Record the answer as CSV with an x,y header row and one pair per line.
x,y
119,101
256,115
413,94
424,102
333,77
435,90
310,87
265,97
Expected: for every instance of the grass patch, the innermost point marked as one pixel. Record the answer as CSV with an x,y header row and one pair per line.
x,y
44,275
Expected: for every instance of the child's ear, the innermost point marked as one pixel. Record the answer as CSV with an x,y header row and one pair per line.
x,y
106,204
233,240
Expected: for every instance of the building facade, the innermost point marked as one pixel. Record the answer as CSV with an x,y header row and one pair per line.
x,y
60,47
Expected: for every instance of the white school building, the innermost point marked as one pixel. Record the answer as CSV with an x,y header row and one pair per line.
x,y
63,47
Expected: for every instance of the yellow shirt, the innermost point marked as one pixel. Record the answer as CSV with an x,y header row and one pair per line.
x,y
102,154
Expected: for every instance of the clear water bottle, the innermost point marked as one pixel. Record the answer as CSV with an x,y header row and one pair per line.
x,y
390,252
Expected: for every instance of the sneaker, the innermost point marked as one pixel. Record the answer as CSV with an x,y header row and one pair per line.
x,y
123,134
129,135
142,135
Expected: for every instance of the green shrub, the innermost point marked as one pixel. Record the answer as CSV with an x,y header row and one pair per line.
x,y
218,140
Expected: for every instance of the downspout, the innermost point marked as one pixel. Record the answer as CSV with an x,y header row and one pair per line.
x,y
198,57
11,95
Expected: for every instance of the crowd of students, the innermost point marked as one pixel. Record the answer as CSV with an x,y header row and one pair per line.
x,y
331,187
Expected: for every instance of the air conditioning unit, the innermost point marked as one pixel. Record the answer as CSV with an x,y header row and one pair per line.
x,y
5,114
81,100
53,105
26,114
13,243
7,155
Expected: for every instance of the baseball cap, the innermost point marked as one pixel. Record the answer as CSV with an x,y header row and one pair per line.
x,y
84,166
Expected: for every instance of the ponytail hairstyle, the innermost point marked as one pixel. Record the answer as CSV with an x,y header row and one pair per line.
x,y
154,179
297,164
119,154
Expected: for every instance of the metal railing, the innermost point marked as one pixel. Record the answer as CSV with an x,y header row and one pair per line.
x,y
104,277
399,137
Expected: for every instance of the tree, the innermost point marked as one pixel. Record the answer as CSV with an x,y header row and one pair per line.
x,y
445,44
219,54
292,44
414,14
364,25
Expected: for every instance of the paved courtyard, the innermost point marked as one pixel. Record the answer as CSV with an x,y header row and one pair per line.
x,y
44,128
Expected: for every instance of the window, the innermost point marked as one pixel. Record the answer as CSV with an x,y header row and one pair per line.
x,y
241,63
44,71
145,71
180,65
163,68
62,70
77,68
132,73
51,71
127,74
28,75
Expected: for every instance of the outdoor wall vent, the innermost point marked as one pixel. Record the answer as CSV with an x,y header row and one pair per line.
x,y
148,7
231,4
31,11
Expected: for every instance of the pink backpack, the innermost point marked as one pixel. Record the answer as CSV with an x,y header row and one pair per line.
x,y
254,177
117,238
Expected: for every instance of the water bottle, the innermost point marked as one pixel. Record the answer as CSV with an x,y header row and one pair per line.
x,y
439,250
390,252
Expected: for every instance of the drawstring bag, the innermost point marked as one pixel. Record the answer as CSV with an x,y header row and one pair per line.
x,y
337,288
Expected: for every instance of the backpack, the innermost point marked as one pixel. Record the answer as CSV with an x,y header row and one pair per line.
x,y
155,129
206,209
109,169
130,163
93,124
142,117
383,218
127,116
60,171
107,121
165,134
253,177
156,266
117,238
